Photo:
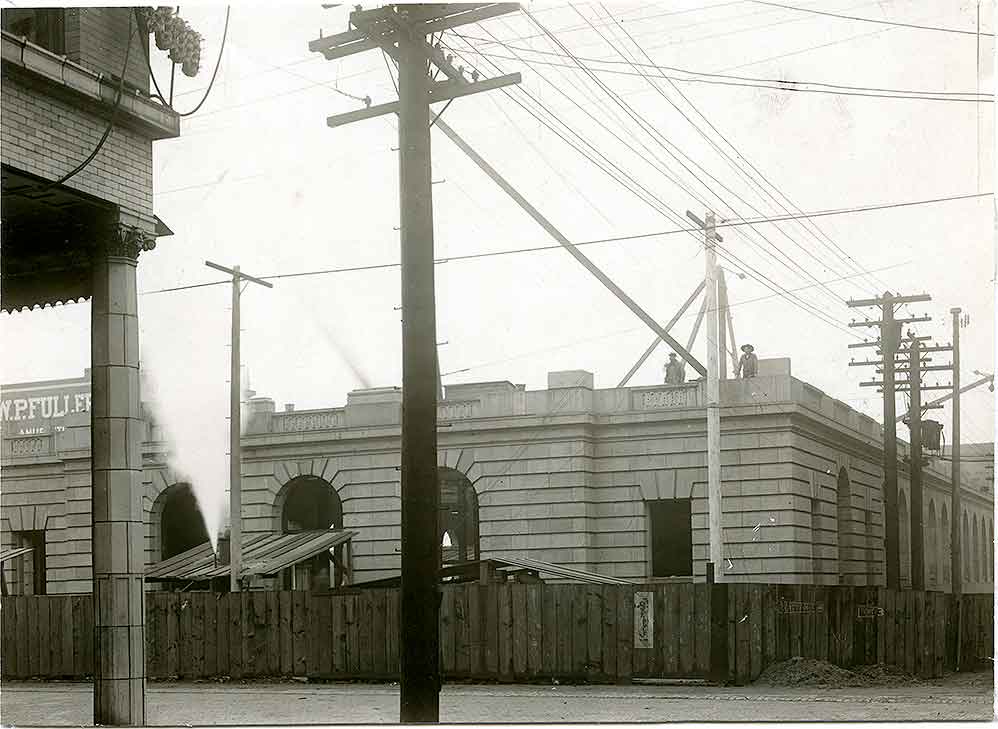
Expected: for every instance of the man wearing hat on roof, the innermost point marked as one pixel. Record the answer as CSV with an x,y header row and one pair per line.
x,y
675,372
748,365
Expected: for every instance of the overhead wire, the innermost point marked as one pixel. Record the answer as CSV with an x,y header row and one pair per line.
x,y
871,20
672,151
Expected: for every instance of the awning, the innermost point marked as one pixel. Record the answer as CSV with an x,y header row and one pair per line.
x,y
469,571
262,554
12,553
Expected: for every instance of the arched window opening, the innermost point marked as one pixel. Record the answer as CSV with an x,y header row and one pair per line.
x,y
181,526
844,523
312,504
991,551
904,540
965,544
976,572
458,523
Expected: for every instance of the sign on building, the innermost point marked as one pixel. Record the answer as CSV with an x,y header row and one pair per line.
x,y
42,410
644,620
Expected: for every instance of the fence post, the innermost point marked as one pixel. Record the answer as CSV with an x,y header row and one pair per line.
x,y
719,669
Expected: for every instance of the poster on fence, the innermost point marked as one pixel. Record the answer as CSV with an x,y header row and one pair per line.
x,y
644,620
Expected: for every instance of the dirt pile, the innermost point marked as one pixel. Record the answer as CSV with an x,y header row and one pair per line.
x,y
812,672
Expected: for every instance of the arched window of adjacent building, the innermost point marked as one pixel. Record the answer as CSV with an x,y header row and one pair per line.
x,y
991,551
965,544
945,545
844,521
181,526
932,546
312,504
458,526
976,546
904,541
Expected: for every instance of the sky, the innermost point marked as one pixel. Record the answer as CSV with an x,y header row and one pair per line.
x,y
257,179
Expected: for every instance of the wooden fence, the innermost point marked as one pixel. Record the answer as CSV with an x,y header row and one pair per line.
x,y
514,632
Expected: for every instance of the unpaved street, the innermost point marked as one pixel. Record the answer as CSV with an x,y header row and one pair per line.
x,y
64,704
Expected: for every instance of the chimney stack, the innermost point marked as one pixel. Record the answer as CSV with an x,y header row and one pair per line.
x,y
224,545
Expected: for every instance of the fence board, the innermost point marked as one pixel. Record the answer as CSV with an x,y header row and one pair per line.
x,y
285,647
625,632
393,631
534,627
462,632
518,596
185,626
299,616
743,634
910,647
755,623
491,595
939,664
8,654
476,609
222,632
44,637
580,616
594,631
701,636
211,634
273,632
198,610
447,630
505,631
563,628
608,646
686,628
320,655
379,632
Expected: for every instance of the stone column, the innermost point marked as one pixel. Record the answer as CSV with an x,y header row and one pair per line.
x,y
117,427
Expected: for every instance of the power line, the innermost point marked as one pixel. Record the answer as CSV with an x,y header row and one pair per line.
x,y
785,84
871,20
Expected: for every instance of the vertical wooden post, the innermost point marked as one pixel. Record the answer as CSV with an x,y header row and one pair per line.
x,y
713,403
235,457
889,336
420,599
917,516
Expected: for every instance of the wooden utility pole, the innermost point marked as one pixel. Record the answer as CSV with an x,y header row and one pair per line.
x,y
915,481
715,573
235,430
890,341
400,31
955,505
722,320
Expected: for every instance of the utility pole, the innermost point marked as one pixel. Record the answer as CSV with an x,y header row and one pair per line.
x,y
400,31
714,503
955,505
235,430
915,484
890,341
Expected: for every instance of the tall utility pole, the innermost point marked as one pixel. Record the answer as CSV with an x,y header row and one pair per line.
x,y
955,506
915,482
235,430
714,503
889,342
400,31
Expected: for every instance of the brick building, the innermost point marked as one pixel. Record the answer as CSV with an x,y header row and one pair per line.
x,y
609,481
77,126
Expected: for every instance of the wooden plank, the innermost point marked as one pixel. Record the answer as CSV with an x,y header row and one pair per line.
x,y
910,648
642,659
351,619
462,632
365,625
733,590
769,607
198,609
534,628
44,636
186,635
55,635
318,629
235,634
563,628
625,632
687,626
66,648
521,631
928,638
755,626
393,631
654,665
505,631
447,631
299,639
222,603
608,647
580,639
337,636
491,630
273,632
549,630
939,663
12,656
286,651
476,608
211,634
8,657
701,638
87,643
379,633
155,634
171,631
743,634
594,632
890,647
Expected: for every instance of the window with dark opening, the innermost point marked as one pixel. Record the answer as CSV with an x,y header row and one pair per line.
x,y
45,28
32,578
671,538
181,525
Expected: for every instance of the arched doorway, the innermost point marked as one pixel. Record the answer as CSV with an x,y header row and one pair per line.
x,y
904,541
844,523
311,503
931,546
181,526
458,524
